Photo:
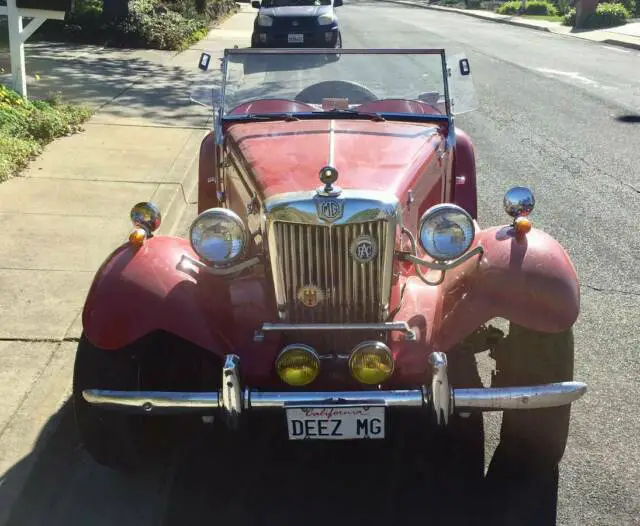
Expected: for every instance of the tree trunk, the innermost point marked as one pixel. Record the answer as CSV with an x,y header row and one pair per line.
x,y
115,9
583,9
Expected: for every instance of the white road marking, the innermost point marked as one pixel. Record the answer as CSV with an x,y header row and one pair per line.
x,y
573,75
619,50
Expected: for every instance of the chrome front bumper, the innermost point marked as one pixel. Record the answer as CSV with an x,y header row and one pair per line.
x,y
438,397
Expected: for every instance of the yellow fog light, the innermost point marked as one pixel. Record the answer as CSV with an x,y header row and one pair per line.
x,y
298,365
371,363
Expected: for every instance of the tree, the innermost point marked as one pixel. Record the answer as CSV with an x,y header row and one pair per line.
x,y
114,9
583,9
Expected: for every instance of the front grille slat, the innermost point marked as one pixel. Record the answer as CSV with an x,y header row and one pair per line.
x,y
319,255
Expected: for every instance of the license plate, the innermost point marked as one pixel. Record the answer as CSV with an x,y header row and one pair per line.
x,y
336,423
295,38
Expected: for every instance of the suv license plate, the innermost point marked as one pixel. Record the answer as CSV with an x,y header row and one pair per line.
x,y
295,38
336,422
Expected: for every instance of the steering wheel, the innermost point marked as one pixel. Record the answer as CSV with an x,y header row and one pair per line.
x,y
338,89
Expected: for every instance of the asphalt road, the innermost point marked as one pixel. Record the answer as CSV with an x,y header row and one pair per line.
x,y
548,118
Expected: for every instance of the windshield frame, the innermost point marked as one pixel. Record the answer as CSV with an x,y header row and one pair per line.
x,y
343,51
220,118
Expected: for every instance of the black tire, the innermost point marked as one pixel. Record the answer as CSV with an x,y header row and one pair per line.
x,y
115,440
160,361
522,478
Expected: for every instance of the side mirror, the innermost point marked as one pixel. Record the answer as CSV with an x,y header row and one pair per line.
x,y
255,4
337,3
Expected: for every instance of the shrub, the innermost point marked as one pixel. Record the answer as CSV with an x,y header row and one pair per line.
x,y
158,27
629,5
157,24
509,8
607,15
538,7
87,7
563,6
25,127
569,19
535,7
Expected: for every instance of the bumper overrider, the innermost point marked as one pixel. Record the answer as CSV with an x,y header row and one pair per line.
x,y
436,395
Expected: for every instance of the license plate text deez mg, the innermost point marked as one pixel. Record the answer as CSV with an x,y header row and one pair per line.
x,y
336,423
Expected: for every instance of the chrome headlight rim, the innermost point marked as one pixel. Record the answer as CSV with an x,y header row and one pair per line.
x,y
377,346
299,346
227,214
440,209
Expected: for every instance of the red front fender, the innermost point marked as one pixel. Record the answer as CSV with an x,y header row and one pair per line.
x,y
139,291
530,282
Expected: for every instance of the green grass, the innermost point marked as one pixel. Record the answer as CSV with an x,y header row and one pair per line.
x,y
26,127
549,18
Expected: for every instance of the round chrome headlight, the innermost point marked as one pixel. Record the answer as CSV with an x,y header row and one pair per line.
x,y
218,236
446,231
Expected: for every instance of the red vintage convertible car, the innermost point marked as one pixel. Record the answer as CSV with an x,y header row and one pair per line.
x,y
336,274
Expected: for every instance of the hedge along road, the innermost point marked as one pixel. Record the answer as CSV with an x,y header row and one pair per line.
x,y
553,131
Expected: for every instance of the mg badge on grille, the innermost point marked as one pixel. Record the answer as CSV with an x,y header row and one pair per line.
x,y
294,23
310,295
330,209
364,249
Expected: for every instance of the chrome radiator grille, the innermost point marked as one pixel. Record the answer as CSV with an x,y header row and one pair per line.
x,y
319,256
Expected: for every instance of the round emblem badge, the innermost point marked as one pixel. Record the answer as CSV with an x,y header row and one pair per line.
x,y
310,296
364,249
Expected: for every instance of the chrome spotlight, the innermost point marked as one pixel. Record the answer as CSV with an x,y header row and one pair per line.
x,y
519,201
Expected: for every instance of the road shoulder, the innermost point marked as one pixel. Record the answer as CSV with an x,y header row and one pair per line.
x,y
612,36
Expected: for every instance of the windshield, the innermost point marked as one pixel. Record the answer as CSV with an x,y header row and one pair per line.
x,y
290,3
314,80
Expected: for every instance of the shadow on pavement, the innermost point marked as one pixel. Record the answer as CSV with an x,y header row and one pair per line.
x,y
96,76
282,483
629,119
270,481
67,488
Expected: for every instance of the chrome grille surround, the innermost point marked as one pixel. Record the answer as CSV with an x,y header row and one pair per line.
x,y
305,249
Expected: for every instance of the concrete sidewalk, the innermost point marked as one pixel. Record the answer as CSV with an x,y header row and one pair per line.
x,y
627,35
70,209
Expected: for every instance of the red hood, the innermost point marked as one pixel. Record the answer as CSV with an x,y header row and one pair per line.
x,y
288,156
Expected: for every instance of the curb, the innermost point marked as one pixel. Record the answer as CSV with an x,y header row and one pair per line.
x,y
621,43
518,23
473,15
172,198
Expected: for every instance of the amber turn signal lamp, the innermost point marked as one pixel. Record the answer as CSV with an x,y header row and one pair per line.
x,y
137,237
522,225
